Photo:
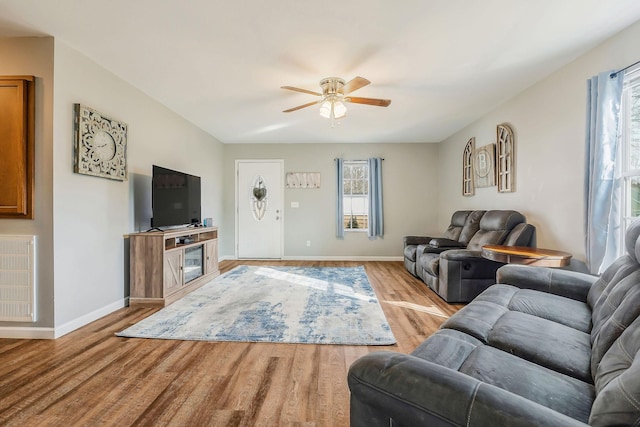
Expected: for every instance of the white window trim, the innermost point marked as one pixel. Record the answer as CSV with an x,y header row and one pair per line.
x,y
632,79
357,162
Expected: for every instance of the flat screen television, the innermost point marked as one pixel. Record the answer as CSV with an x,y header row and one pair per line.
x,y
175,198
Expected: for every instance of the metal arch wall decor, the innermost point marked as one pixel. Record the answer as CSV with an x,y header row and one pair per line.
x,y
100,147
468,189
505,159
258,198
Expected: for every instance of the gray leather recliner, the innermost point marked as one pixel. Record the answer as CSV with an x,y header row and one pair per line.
x,y
545,347
456,270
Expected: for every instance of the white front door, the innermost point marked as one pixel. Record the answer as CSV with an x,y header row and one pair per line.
x,y
259,203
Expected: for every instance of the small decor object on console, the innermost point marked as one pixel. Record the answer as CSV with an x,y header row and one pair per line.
x,y
100,145
484,166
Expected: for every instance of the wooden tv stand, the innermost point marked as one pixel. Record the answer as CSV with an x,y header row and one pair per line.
x,y
167,265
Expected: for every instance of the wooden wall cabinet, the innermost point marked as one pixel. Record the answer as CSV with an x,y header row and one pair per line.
x,y
166,265
17,144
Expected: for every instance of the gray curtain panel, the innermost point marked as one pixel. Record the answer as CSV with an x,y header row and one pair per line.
x,y
376,215
339,198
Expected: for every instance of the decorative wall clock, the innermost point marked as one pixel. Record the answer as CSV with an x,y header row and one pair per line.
x,y
100,145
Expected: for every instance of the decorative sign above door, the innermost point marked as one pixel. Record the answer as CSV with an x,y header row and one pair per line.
x,y
303,179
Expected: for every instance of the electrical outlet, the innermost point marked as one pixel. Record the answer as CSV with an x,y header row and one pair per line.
x,y
308,243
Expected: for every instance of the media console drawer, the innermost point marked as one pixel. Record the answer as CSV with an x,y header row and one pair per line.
x,y
166,265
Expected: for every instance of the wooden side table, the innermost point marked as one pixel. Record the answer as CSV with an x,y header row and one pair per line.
x,y
526,255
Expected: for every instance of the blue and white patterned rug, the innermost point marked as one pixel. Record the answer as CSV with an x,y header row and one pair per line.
x,y
321,305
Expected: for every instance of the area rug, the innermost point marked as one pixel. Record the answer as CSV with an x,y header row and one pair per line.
x,y
321,305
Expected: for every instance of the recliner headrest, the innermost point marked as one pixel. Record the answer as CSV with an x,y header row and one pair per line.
x,y
459,217
501,220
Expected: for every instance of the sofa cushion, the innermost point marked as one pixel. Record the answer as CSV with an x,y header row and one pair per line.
x,y
458,351
621,308
471,227
494,228
447,347
617,382
476,319
561,393
566,311
543,342
458,220
619,269
430,263
410,252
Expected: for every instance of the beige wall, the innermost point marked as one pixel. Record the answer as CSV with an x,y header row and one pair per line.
x,y
34,56
91,214
549,121
409,185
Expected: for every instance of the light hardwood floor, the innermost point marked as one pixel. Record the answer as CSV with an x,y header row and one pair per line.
x,y
91,377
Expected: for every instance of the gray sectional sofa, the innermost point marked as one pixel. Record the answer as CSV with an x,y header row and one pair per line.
x,y
452,265
543,347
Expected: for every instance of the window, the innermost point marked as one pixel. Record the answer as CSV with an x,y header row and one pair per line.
x,y
630,144
356,195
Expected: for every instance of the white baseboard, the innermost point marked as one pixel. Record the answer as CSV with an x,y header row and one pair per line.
x,y
90,317
325,258
343,258
25,332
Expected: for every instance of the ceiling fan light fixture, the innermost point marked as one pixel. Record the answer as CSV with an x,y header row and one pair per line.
x,y
339,110
333,108
335,93
325,109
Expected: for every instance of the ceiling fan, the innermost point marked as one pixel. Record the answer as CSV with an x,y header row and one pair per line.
x,y
334,94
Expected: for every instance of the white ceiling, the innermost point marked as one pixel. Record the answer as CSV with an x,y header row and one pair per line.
x,y
220,64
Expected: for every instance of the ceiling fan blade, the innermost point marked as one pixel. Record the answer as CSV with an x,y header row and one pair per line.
x,y
369,101
354,84
297,89
299,107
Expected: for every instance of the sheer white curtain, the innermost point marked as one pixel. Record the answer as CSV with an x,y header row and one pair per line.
x,y
603,190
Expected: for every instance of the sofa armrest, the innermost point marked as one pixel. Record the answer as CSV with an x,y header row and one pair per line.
x,y
416,240
428,249
462,255
443,242
412,391
565,283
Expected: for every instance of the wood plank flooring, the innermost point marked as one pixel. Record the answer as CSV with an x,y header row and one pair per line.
x,y
90,377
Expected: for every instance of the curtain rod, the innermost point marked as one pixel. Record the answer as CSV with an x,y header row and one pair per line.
x,y
336,158
615,73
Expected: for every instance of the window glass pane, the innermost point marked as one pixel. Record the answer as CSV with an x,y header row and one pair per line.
x,y
346,171
634,196
355,202
634,139
346,187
